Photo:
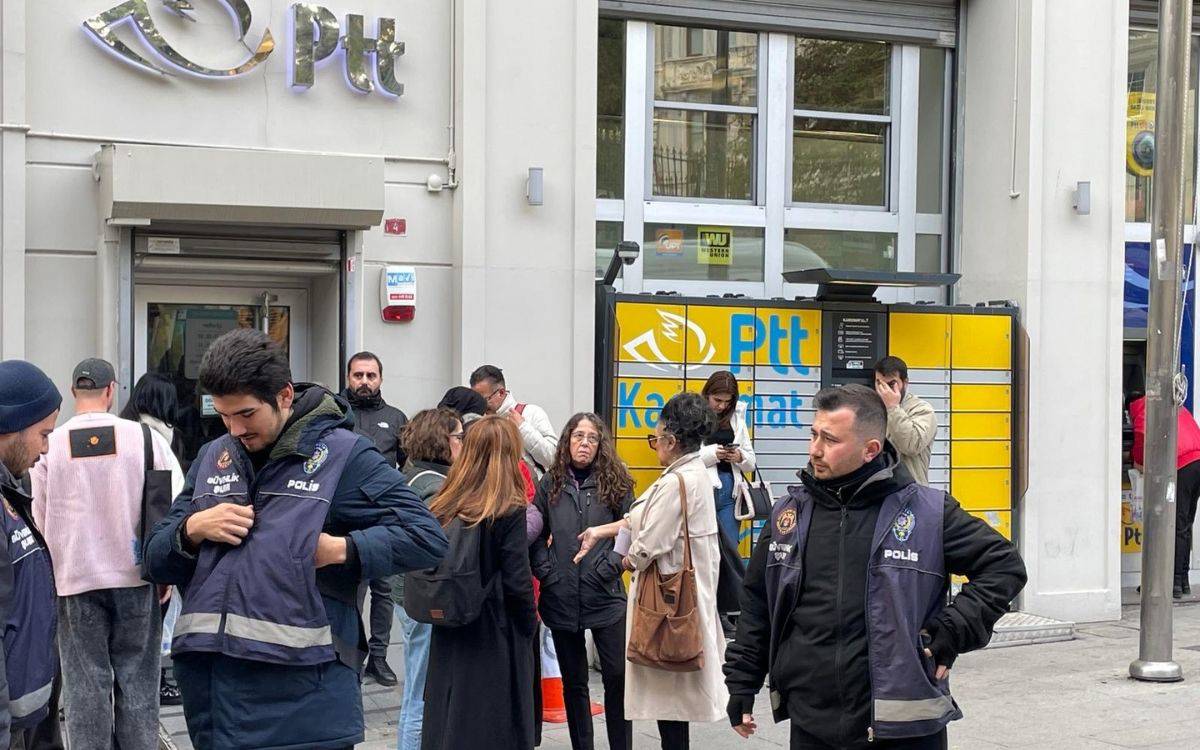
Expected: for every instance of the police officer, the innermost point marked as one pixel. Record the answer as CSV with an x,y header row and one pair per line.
x,y
382,423
29,405
278,523
856,561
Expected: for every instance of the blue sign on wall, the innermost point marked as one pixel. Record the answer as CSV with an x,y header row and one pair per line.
x,y
1137,302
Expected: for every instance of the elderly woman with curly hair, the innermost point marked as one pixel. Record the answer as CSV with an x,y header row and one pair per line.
x,y
655,523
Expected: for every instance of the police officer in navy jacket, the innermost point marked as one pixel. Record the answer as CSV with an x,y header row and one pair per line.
x,y
844,602
278,524
29,405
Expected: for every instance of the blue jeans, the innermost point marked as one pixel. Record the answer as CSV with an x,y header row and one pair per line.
x,y
730,526
416,665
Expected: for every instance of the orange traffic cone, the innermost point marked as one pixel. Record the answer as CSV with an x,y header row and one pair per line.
x,y
554,709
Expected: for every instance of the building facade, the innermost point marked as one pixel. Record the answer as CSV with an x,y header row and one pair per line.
x,y
166,175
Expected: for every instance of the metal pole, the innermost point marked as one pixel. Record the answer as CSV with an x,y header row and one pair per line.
x,y
1154,661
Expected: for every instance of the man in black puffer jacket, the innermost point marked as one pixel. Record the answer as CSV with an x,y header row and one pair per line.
x,y
844,601
375,419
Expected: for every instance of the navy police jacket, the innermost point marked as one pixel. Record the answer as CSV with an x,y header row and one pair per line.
x,y
27,615
847,578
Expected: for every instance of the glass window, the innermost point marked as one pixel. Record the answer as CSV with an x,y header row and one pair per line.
x,y
823,248
688,252
608,234
929,253
703,154
842,158
610,110
837,161
931,131
705,66
705,148
842,76
1139,131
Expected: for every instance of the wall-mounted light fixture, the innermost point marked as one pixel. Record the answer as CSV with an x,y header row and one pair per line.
x,y
534,188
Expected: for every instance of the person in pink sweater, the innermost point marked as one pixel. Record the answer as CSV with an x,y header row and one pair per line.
x,y
87,500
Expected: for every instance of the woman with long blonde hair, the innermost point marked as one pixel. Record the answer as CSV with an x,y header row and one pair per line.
x,y
480,687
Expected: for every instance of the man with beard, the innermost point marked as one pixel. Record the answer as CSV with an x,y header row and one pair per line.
x,y
375,419
28,660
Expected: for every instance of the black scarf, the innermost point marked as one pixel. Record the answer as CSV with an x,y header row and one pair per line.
x,y
367,403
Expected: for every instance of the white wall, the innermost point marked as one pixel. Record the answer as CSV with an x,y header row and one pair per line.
x,y
499,281
1063,269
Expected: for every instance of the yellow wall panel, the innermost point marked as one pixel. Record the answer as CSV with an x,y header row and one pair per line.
x,y
788,338
635,392
981,342
922,340
982,489
980,454
967,426
650,332
981,398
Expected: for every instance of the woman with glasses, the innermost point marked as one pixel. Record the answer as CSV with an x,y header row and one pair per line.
x,y
587,485
432,440
481,691
655,523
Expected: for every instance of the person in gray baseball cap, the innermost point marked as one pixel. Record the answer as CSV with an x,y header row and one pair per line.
x,y
29,405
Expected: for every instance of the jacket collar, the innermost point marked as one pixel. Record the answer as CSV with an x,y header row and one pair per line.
x,y
414,467
679,462
509,403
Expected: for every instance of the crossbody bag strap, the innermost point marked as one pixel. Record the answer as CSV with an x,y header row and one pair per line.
x,y
687,535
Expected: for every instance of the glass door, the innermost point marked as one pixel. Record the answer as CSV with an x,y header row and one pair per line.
x,y
174,326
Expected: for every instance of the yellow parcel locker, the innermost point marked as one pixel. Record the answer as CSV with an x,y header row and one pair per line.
x,y
1000,520
783,331
711,330
981,342
968,426
922,340
646,330
980,454
637,453
643,478
982,489
981,398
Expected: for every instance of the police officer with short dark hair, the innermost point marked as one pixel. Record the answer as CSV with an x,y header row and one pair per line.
x,y
278,524
378,420
844,602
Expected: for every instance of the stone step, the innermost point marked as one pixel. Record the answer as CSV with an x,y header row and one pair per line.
x,y
1022,629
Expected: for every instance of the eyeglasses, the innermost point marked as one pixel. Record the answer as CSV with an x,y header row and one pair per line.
x,y
493,394
653,439
590,438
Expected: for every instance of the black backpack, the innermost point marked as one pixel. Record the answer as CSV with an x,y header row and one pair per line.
x,y
452,594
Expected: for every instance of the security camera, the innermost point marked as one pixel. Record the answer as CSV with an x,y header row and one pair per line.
x,y
628,251
434,183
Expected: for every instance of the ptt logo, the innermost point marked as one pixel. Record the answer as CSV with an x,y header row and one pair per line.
x,y
645,347
779,339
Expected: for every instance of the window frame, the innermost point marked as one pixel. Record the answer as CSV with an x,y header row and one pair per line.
x,y
771,208
652,104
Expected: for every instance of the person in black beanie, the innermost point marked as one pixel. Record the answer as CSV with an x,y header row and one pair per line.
x,y
29,405
469,404
375,419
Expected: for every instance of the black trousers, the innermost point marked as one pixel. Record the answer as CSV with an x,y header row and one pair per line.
x,y
1187,489
802,740
573,663
674,735
381,617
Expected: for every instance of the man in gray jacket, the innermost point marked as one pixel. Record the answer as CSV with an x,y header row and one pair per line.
x,y
911,423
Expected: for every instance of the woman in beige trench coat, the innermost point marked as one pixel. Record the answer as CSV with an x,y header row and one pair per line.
x,y
656,534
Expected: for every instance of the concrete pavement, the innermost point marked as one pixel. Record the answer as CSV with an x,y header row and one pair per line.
x,y
1073,695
